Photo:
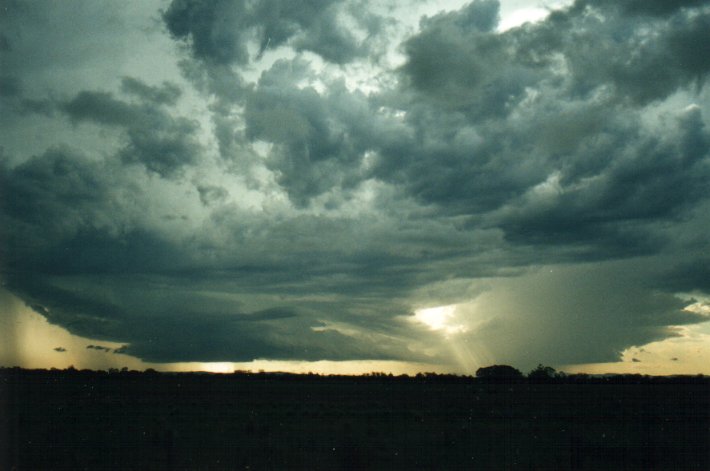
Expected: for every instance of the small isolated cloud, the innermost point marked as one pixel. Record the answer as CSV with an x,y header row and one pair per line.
x,y
99,348
122,350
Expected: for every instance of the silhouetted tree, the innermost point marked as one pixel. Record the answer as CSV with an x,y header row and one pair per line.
x,y
499,373
542,373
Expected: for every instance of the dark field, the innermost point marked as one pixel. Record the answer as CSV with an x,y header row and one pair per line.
x,y
95,420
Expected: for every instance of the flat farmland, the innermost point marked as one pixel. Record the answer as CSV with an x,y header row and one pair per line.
x,y
148,421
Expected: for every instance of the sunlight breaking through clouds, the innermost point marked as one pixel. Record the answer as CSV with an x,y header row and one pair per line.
x,y
462,350
440,318
421,182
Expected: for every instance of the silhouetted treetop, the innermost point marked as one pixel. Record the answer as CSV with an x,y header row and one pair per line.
x,y
542,373
499,373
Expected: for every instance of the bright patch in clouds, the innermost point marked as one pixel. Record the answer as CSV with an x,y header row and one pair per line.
x,y
440,318
516,13
699,307
522,16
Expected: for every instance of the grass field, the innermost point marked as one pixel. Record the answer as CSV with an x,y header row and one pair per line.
x,y
148,421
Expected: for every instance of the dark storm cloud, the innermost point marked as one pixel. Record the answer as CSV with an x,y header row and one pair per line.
x,y
457,59
478,71
642,58
14,102
644,7
101,108
312,133
9,86
461,63
49,196
165,94
576,142
62,213
163,143
578,314
548,118
210,194
321,255
4,43
219,32
170,332
688,275
207,338
652,178
51,43
63,222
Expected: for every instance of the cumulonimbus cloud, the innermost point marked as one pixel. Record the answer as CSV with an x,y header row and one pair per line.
x,y
300,216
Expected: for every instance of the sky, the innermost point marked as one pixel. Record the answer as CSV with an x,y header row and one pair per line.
x,y
353,186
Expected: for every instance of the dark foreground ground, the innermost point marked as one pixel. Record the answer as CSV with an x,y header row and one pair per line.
x,y
96,420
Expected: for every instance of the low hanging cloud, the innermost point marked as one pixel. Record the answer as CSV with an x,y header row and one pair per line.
x,y
575,314
297,193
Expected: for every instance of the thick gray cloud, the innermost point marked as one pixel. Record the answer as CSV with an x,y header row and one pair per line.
x,y
542,127
220,32
643,58
161,142
301,206
9,86
49,197
550,313
652,178
315,146
210,194
644,7
461,63
72,43
166,94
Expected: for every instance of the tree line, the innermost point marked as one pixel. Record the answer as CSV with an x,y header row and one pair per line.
x,y
498,374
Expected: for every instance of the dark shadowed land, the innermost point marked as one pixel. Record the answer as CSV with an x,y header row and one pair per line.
x,y
127,420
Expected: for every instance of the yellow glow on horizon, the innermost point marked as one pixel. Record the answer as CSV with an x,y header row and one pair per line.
x,y
28,340
217,367
321,367
686,354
